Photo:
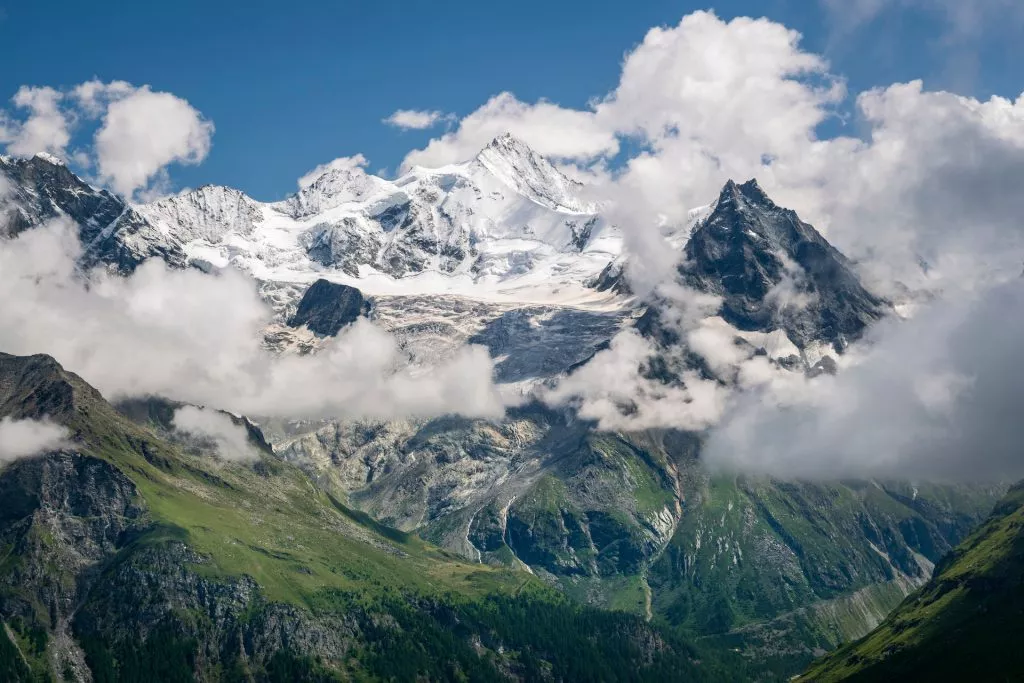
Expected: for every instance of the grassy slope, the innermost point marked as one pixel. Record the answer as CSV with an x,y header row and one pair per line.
x,y
964,624
303,547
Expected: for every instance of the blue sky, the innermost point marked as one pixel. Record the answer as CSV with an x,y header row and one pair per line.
x,y
293,85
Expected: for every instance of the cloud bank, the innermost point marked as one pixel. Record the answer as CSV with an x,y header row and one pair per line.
x,y
936,397
196,338
25,438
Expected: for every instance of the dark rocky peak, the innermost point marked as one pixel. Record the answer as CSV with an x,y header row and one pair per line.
x,y
749,192
34,387
44,188
773,270
327,307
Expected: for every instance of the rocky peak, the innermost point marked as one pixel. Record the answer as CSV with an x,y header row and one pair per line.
x,y
773,270
34,387
207,212
327,307
337,185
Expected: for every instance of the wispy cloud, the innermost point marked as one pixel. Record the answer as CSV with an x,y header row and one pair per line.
x,y
413,119
230,440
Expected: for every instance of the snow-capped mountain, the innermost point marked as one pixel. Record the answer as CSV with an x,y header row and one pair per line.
x,y
500,250
506,214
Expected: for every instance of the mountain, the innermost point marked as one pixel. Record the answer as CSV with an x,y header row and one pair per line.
x,y
112,232
502,251
775,271
963,624
126,558
505,214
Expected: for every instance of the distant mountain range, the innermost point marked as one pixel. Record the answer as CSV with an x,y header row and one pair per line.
x,y
347,533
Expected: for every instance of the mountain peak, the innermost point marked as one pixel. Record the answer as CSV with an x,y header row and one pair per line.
x,y
748,192
49,158
509,146
753,253
507,140
522,168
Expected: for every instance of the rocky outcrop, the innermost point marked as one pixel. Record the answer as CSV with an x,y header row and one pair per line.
x,y
327,307
64,517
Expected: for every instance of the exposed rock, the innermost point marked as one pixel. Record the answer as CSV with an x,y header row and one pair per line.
x,y
775,271
327,307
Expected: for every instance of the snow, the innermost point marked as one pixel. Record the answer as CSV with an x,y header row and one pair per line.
x,y
507,225
49,158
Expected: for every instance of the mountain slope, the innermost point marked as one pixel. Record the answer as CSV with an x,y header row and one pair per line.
x,y
125,558
964,624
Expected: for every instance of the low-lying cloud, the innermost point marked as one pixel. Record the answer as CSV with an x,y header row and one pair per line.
x,y
937,397
25,438
196,338
230,440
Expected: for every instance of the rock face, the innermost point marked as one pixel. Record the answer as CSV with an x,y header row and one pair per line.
x,y
112,232
327,307
775,271
64,516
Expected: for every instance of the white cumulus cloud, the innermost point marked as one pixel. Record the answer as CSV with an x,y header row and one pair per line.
x,y
140,133
45,130
145,131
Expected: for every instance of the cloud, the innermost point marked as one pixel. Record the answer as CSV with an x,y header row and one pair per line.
x,y
95,96
25,438
412,119
140,133
197,339
932,398
352,163
46,128
145,131
622,387
548,128
231,440
963,19
614,390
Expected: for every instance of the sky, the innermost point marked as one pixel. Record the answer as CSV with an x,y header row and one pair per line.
x,y
288,86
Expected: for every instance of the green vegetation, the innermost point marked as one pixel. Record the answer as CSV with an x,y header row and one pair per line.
x,y
232,572
964,624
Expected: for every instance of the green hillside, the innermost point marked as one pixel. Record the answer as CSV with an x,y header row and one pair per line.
x,y
130,557
963,625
